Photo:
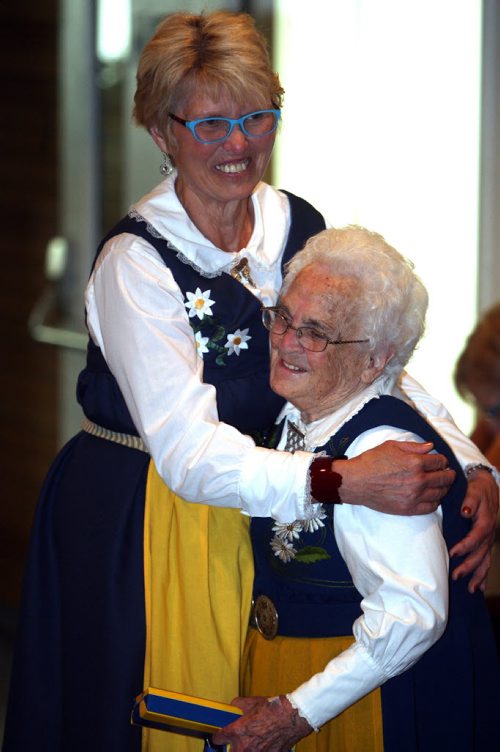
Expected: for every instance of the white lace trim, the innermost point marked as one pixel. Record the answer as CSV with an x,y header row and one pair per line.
x,y
312,509
301,713
134,214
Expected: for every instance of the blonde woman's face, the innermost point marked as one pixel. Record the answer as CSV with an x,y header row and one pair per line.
x,y
226,170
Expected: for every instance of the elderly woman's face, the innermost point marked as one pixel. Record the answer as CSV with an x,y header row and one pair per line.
x,y
224,171
318,382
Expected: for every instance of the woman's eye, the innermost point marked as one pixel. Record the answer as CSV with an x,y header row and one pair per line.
x,y
316,335
213,123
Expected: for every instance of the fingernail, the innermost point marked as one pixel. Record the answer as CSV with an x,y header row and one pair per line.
x,y
466,511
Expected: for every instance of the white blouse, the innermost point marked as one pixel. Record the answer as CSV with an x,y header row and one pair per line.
x,y
137,316
400,567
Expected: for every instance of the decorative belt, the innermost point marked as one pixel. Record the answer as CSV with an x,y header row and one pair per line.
x,y
306,619
125,439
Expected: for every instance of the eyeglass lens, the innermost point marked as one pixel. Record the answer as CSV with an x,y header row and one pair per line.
x,y
309,339
254,124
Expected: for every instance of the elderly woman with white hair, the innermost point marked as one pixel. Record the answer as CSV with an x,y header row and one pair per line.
x,y
360,632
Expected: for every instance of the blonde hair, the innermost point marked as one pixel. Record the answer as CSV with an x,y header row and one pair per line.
x,y
218,53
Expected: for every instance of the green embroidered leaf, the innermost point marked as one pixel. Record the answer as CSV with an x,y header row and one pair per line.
x,y
310,554
220,360
212,346
220,332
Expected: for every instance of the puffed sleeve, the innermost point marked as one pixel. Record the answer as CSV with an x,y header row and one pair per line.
x,y
136,315
400,567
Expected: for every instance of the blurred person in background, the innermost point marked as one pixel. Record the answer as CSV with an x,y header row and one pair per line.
x,y
477,378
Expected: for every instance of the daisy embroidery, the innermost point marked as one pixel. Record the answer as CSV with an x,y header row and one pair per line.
x,y
314,522
201,343
237,341
283,549
199,303
289,531
287,534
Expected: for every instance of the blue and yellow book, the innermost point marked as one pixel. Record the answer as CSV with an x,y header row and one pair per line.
x,y
173,711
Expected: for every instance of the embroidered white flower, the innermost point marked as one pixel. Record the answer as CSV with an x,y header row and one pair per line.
x,y
237,341
199,303
285,534
201,343
314,523
288,531
283,549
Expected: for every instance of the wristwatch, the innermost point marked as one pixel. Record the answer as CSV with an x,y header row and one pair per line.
x,y
477,466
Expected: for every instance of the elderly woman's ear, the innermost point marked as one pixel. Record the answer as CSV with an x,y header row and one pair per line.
x,y
375,367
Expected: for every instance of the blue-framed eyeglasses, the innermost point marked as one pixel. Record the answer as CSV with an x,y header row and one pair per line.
x,y
212,129
311,339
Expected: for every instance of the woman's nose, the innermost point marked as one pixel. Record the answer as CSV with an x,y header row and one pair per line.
x,y
236,140
290,340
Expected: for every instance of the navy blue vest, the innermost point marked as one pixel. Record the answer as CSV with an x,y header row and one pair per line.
x,y
244,399
314,593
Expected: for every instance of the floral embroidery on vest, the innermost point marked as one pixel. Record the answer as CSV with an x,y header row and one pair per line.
x,y
199,305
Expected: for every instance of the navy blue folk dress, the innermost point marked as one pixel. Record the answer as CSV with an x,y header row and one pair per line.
x,y
79,656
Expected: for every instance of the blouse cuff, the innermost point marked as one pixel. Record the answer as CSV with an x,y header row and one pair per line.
x,y
275,484
301,712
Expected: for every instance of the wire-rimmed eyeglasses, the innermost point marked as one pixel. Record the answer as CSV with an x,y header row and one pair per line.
x,y
276,322
212,129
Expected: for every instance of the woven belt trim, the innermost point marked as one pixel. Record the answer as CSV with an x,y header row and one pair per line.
x,y
125,439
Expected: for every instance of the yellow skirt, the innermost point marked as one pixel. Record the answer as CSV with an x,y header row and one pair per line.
x,y
274,667
198,570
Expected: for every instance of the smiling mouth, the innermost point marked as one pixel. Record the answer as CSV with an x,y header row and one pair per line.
x,y
292,367
233,168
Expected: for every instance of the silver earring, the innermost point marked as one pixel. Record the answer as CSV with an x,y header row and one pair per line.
x,y
166,167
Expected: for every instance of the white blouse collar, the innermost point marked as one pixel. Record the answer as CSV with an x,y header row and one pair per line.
x,y
162,209
319,431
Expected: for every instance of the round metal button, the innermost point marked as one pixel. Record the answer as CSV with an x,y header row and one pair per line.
x,y
266,617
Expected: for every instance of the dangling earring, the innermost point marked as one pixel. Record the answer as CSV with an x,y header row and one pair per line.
x,y
166,167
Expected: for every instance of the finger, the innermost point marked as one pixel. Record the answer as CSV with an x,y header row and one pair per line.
x,y
470,505
416,447
478,578
441,479
435,462
430,497
477,538
219,738
423,507
476,564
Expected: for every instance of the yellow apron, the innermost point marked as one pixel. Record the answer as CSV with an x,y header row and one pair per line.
x,y
274,667
198,570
